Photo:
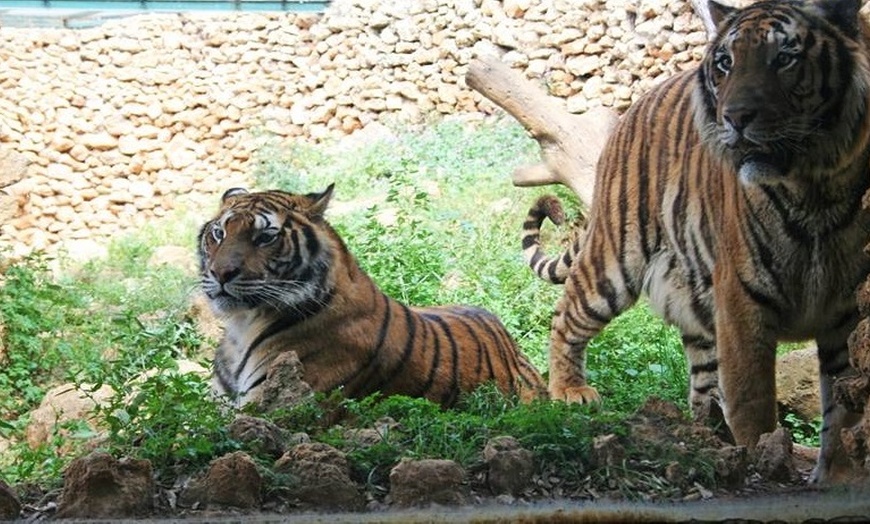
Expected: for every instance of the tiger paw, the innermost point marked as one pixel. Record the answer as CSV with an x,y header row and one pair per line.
x,y
579,395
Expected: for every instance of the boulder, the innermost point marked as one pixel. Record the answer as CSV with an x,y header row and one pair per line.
x,y
62,404
797,383
233,480
100,486
775,457
10,506
510,466
321,477
258,435
426,482
284,385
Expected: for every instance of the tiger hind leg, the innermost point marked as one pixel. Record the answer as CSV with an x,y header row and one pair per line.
x,y
580,315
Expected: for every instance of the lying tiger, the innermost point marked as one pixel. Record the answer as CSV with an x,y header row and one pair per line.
x,y
284,281
731,195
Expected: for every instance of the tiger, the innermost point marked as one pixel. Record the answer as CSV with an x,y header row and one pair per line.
x,y
283,280
730,195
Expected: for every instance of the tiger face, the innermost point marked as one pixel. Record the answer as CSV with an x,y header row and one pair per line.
x,y
264,251
768,87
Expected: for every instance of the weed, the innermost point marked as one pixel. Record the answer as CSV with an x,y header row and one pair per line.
x,y
431,216
169,419
802,432
35,312
635,355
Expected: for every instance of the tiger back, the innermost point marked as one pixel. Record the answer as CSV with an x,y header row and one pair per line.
x,y
283,280
731,195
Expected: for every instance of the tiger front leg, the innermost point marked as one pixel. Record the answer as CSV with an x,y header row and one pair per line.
x,y
746,349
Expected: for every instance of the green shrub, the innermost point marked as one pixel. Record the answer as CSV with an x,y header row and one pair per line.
x,y
37,314
170,419
453,238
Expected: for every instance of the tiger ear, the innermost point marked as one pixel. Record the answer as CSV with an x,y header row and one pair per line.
x,y
712,13
842,13
319,201
233,192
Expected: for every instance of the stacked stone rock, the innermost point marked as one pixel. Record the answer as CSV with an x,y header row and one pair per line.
x,y
855,391
127,121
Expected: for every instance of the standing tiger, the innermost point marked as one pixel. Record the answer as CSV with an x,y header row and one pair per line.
x,y
731,195
284,280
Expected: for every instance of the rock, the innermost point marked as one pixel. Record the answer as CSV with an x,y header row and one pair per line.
x,y
100,486
774,456
233,480
859,347
797,383
731,464
853,392
207,323
607,451
181,257
13,167
10,506
258,435
116,106
426,482
322,477
284,385
62,404
99,141
510,466
83,250
856,446
368,437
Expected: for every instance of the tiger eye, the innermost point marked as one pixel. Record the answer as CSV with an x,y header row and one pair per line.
x,y
217,233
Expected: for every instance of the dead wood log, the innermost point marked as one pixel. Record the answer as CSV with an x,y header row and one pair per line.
x,y
570,144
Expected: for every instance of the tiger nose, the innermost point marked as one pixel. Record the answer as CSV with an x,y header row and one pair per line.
x,y
225,274
738,118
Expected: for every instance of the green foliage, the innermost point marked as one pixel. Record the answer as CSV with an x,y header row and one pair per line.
x,y
417,428
169,420
432,217
104,323
560,435
397,246
802,432
35,312
44,465
637,355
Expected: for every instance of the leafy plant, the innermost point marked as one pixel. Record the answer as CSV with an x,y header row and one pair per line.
x,y
431,215
34,310
44,464
802,432
170,419
636,355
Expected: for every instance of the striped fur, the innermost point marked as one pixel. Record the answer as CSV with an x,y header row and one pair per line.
x,y
284,281
731,196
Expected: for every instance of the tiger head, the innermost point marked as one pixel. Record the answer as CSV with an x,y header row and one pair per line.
x,y
266,249
783,87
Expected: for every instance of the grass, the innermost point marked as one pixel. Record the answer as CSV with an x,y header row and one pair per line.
x,y
431,215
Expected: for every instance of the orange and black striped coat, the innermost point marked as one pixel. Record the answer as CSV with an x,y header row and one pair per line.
x,y
731,195
283,280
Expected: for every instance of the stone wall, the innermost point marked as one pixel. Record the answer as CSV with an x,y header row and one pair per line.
x,y
128,121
